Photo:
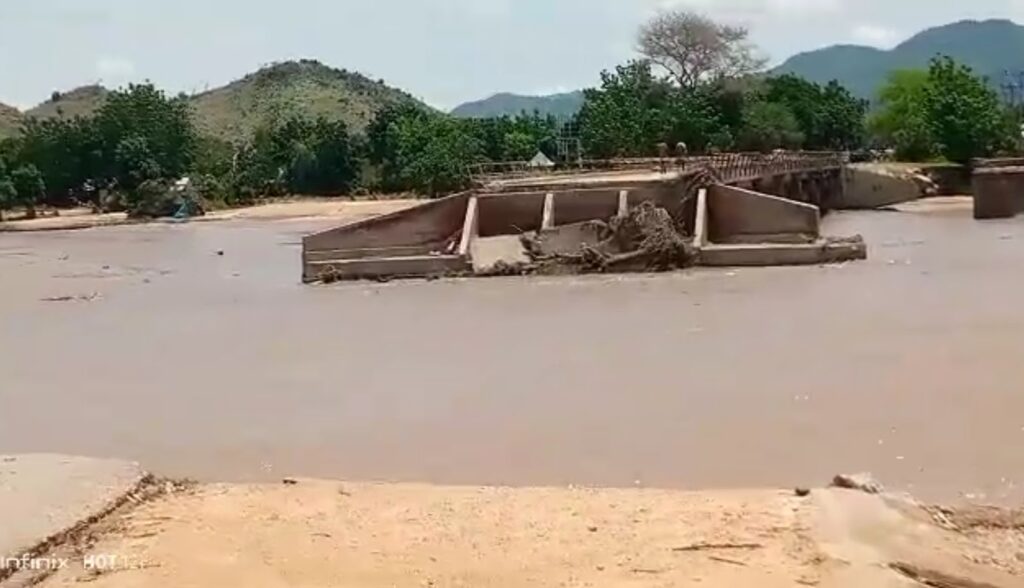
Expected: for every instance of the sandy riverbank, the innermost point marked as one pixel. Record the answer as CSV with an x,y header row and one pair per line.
x,y
292,209
319,533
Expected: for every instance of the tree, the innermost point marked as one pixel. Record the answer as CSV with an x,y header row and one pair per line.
x,y
964,113
29,188
696,49
424,152
8,196
135,163
137,135
145,115
829,117
69,153
768,126
435,155
294,154
902,119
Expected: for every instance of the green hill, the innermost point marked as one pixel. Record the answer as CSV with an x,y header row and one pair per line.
x,y
84,101
237,109
990,47
308,87
10,121
559,105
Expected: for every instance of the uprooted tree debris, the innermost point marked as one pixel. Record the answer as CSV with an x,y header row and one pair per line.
x,y
646,238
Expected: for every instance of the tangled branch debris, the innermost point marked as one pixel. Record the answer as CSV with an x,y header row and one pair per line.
x,y
647,238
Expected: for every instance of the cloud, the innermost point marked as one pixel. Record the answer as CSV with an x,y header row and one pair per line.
x,y
875,36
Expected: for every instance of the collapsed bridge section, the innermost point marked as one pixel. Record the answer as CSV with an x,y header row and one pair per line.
x,y
730,210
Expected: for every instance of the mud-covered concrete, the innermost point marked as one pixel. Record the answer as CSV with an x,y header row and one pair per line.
x,y
224,367
872,185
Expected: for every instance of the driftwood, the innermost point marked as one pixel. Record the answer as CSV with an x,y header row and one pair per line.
x,y
937,579
717,547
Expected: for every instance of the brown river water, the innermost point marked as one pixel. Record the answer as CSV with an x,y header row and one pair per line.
x,y
225,367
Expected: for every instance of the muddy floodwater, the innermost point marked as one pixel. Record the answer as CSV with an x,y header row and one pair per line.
x,y
225,367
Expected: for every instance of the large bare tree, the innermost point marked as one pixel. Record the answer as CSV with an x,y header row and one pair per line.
x,y
696,49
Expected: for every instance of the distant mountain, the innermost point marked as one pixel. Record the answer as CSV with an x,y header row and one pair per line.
x,y
10,121
306,87
990,47
559,105
83,101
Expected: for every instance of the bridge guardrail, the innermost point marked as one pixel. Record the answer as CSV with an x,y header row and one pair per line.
x,y
726,167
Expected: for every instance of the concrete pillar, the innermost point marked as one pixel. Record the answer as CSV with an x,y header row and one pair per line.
x,y
470,227
548,222
810,190
998,192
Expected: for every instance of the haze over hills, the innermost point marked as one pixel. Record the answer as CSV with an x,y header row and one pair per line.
x,y
990,47
234,111
559,105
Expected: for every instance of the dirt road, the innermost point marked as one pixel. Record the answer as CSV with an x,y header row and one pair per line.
x,y
145,343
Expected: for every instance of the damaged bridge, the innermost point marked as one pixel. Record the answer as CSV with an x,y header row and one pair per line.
x,y
721,210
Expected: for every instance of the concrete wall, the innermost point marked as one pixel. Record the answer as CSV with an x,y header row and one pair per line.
x,y
513,213
510,214
865,187
430,222
737,215
668,195
575,206
823,189
998,192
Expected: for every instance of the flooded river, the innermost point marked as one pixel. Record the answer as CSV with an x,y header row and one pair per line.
x,y
225,367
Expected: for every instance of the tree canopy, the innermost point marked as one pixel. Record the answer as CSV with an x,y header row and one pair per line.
x,y
945,111
695,49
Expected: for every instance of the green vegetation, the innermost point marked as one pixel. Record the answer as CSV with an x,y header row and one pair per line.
x,y
8,195
416,150
138,135
945,111
902,118
964,113
635,110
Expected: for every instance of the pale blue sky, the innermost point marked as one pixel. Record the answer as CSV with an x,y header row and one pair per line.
x,y
443,51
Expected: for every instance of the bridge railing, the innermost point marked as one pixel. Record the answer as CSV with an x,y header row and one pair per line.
x,y
725,167
734,167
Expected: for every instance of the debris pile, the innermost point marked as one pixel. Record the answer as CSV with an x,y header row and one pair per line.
x,y
863,482
646,238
